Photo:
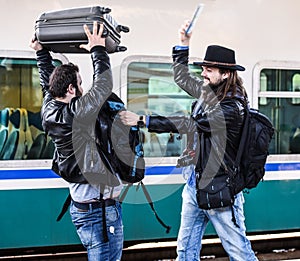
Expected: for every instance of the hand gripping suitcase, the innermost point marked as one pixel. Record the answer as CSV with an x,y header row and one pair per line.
x,y
62,31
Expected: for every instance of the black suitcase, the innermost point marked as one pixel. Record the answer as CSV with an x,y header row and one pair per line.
x,y
62,31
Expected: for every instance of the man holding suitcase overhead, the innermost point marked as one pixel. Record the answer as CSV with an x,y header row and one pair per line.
x,y
69,117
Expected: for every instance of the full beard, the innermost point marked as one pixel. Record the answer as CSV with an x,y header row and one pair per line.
x,y
215,86
210,92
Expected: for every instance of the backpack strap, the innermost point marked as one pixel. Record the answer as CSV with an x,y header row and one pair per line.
x,y
168,228
68,203
242,140
239,154
104,225
125,192
146,193
64,208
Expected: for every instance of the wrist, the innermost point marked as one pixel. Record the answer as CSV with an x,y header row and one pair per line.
x,y
185,42
100,48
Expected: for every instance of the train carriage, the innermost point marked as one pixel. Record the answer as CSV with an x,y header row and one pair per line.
x,y
264,35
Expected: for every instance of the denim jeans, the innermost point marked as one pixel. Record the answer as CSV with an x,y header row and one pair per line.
x,y
194,221
89,228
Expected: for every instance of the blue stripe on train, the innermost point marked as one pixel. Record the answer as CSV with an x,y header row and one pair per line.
x,y
282,166
155,170
163,170
46,173
27,174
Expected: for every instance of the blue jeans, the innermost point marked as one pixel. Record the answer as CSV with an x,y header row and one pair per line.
x,y
89,228
194,221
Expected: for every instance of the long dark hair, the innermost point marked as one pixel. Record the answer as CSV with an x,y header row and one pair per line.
x,y
232,86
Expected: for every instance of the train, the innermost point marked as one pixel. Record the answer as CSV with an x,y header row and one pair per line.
x,y
264,34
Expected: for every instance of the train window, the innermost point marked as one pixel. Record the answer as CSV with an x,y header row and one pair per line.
x,y
296,87
151,90
279,99
21,133
263,88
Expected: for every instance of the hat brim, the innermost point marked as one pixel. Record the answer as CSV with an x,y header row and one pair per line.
x,y
229,67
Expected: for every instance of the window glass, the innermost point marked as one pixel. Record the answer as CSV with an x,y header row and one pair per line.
x,y
21,133
296,87
283,109
263,88
151,90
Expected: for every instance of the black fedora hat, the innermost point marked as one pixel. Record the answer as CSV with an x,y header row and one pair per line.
x,y
221,57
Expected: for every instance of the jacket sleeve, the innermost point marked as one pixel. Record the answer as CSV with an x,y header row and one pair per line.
x,y
175,124
45,67
88,106
220,117
191,84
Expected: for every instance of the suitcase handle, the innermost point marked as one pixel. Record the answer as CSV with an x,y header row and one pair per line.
x,y
105,10
122,28
121,49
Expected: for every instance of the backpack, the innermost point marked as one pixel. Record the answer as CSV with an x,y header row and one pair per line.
x,y
121,150
121,147
249,165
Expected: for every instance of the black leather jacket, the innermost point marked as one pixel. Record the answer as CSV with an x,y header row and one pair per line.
x,y
72,125
218,126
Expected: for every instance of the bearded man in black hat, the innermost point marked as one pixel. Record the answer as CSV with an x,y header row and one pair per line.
x,y
213,130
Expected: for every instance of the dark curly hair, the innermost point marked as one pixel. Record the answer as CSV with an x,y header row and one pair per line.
x,y
61,78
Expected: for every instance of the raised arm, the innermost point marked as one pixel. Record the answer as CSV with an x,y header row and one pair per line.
x,y
90,103
44,63
192,85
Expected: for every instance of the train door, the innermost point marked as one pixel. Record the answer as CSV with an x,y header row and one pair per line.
x,y
278,88
275,200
